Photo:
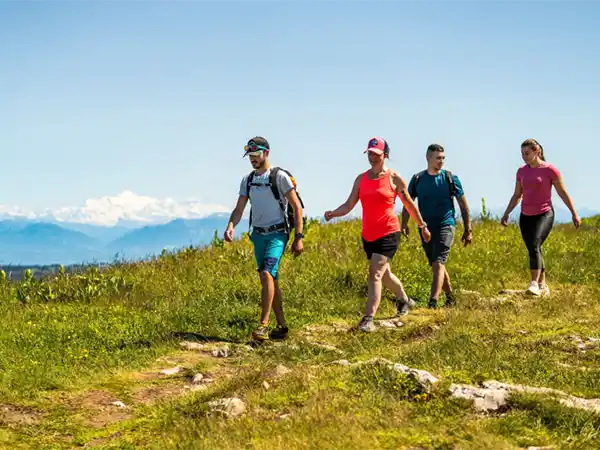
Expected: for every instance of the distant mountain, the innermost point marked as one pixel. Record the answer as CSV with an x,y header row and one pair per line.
x,y
127,209
104,234
44,243
96,230
175,234
24,242
30,242
101,233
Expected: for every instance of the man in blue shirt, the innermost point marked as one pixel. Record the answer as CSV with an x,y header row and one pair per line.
x,y
435,190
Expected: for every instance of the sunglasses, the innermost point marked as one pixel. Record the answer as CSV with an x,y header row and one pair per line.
x,y
254,148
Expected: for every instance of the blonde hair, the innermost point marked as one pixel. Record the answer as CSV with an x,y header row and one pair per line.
x,y
532,143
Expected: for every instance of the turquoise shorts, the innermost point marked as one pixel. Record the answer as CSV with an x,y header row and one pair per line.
x,y
268,251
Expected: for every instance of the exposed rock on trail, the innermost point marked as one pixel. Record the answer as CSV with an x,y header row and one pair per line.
x,y
424,378
390,323
227,407
279,371
493,396
490,396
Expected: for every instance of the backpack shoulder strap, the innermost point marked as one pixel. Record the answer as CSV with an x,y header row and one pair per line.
x,y
249,182
450,178
273,182
417,176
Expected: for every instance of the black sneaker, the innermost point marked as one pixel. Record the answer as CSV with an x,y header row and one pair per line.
x,y
432,303
279,332
450,301
403,306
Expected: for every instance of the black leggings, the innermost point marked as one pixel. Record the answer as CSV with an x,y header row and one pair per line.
x,y
535,230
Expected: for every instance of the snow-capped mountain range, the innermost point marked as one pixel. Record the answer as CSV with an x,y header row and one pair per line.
x,y
127,225
126,207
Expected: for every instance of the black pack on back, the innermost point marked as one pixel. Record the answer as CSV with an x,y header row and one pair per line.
x,y
288,212
449,179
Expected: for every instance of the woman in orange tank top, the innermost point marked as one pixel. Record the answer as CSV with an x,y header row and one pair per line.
x,y
377,189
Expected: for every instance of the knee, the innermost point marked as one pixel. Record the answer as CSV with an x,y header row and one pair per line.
x,y
376,273
387,274
265,277
437,265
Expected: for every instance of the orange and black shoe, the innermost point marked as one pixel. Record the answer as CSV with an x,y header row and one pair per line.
x,y
280,332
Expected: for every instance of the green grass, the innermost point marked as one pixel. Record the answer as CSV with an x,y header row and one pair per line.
x,y
62,340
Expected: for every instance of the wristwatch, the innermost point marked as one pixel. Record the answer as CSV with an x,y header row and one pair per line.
x,y
298,236
424,225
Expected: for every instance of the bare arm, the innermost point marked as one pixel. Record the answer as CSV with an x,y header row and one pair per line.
x,y
405,217
464,212
349,204
514,200
292,197
559,185
236,214
410,208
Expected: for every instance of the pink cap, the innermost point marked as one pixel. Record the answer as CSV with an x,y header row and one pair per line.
x,y
378,146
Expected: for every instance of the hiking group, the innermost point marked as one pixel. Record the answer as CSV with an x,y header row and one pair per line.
x,y
277,209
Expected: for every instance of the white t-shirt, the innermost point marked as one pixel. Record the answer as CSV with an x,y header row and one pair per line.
x,y
266,211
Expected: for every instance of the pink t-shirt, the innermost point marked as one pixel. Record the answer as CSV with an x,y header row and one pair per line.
x,y
537,188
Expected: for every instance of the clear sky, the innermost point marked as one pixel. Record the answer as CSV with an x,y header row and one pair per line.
x,y
159,97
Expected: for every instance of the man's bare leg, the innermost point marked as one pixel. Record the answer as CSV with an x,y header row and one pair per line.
x,y
268,294
439,273
447,286
278,305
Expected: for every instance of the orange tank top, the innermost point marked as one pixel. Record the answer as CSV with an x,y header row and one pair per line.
x,y
378,201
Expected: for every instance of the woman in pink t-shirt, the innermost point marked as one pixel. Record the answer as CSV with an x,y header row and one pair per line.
x,y
534,185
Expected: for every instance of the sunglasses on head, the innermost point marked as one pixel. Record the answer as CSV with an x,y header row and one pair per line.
x,y
254,148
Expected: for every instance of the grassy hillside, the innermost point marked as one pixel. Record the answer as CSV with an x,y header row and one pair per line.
x,y
71,346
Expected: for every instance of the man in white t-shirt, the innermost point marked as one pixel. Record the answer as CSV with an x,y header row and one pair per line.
x,y
270,229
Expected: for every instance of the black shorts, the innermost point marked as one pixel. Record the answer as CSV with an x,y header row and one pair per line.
x,y
438,248
386,246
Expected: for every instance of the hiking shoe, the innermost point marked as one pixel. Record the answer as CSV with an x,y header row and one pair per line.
x,y
366,324
403,306
432,303
533,289
280,332
450,301
261,333
544,290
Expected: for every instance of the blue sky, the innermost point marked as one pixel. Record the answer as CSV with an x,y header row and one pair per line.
x,y
160,97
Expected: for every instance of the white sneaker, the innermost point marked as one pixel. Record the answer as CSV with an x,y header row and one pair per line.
x,y
544,290
533,289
